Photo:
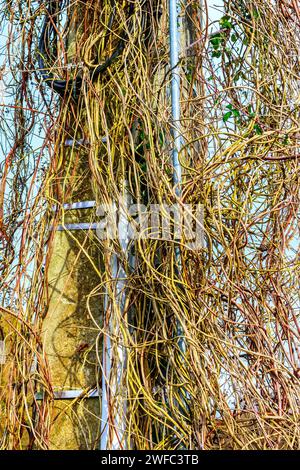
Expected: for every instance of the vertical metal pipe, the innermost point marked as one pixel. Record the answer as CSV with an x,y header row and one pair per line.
x,y
174,12
174,17
113,398
113,413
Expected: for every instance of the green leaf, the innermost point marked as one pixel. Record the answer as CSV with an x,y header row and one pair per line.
x,y
234,38
216,40
286,140
143,167
189,76
217,54
235,112
258,129
225,22
227,116
216,36
161,138
256,13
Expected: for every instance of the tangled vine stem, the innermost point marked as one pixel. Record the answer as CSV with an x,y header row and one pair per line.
x,y
237,297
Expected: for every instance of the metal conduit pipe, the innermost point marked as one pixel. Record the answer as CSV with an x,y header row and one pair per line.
x,y
174,15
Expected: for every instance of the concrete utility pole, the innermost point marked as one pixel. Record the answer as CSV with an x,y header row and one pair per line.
x,y
68,331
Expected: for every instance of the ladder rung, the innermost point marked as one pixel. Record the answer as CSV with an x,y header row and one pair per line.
x,y
70,394
81,142
80,226
76,205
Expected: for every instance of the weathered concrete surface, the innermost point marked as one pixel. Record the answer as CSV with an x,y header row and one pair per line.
x,y
75,426
69,335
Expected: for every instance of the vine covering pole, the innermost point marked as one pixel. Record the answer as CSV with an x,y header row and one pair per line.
x,y
68,328
98,114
